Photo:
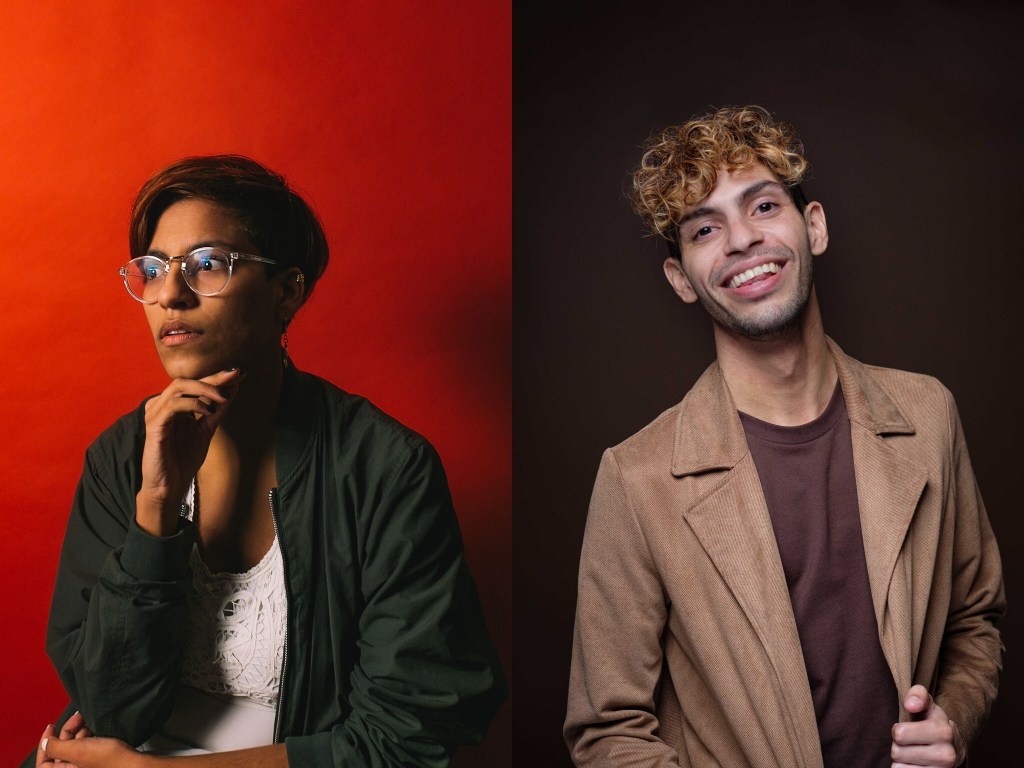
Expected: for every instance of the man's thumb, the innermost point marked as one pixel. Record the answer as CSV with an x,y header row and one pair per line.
x,y
918,702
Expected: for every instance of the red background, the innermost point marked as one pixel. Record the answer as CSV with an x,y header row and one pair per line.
x,y
392,118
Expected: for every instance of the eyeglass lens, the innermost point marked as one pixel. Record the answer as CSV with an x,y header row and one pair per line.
x,y
206,271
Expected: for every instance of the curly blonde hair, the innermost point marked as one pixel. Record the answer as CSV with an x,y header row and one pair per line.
x,y
681,163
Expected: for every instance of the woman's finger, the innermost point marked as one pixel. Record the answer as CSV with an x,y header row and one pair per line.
x,y
188,390
232,377
89,753
72,726
41,758
204,397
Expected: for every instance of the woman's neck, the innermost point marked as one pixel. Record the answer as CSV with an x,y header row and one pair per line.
x,y
248,426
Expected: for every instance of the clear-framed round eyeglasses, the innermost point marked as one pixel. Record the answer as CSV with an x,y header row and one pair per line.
x,y
207,271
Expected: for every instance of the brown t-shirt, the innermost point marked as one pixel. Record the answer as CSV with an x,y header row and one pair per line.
x,y
807,476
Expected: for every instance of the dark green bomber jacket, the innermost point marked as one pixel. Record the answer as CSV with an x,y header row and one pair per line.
x,y
387,659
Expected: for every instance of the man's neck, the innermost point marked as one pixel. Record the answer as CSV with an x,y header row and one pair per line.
x,y
786,381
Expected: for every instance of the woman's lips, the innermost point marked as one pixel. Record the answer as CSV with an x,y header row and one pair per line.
x,y
175,332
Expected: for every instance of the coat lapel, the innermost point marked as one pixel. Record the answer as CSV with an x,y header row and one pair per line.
x,y
732,524
734,528
889,487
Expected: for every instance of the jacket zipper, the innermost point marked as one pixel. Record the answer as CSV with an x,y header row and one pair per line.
x,y
287,618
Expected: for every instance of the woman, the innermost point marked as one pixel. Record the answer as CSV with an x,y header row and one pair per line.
x,y
256,560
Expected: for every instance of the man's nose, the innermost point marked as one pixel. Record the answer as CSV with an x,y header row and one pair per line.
x,y
743,234
175,293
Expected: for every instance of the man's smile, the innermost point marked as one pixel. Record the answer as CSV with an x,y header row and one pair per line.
x,y
761,271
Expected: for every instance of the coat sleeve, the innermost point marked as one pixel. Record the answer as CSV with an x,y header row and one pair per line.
x,y
971,657
427,677
117,616
617,656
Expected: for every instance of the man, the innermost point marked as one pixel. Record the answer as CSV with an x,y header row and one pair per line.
x,y
793,566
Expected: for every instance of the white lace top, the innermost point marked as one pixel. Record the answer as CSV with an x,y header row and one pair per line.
x,y
231,671
236,627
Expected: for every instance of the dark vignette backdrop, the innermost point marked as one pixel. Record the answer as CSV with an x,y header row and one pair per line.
x,y
912,118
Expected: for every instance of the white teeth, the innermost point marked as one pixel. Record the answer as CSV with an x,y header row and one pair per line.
x,y
763,269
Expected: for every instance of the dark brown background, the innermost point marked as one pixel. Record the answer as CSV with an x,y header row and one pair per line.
x,y
912,119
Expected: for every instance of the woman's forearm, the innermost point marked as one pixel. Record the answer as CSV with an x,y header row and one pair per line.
x,y
97,752
257,757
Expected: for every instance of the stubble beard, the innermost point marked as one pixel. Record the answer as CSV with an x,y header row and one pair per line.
x,y
770,326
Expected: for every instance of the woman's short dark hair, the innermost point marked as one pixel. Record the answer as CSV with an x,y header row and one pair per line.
x,y
277,220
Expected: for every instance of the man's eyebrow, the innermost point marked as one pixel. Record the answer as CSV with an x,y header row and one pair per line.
x,y
755,189
696,213
752,191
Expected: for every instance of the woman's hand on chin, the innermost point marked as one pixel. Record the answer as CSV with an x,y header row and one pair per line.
x,y
180,423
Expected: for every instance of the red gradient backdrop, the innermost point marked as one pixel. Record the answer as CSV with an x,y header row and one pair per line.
x,y
393,118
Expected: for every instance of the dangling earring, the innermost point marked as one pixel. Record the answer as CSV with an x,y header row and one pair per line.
x,y
285,360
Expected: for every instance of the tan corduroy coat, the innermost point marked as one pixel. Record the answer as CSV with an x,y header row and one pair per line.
x,y
686,650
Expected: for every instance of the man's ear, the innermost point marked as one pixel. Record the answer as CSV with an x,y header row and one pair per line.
x,y
817,229
678,280
290,289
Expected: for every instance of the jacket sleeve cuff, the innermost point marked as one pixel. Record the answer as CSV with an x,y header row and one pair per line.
x,y
310,751
157,558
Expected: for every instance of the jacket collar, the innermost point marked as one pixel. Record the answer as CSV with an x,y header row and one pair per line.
x,y
298,413
709,434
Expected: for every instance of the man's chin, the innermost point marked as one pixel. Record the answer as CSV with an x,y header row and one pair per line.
x,y
777,326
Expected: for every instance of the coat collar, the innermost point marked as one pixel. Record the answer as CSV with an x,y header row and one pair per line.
x,y
709,434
